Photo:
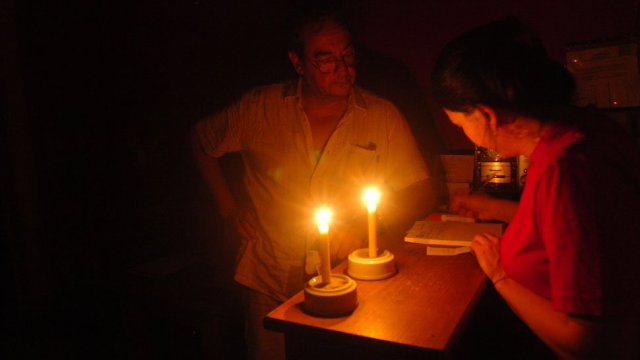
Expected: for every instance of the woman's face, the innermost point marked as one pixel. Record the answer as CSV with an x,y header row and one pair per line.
x,y
476,125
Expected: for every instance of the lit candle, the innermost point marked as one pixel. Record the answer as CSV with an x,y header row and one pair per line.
x,y
323,218
371,197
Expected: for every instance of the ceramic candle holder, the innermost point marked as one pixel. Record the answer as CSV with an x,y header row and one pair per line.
x,y
363,267
338,298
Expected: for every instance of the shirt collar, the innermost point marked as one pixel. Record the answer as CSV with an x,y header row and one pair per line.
x,y
293,91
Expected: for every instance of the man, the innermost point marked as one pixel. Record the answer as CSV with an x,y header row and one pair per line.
x,y
315,141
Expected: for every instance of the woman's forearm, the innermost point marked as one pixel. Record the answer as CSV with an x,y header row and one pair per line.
x,y
567,336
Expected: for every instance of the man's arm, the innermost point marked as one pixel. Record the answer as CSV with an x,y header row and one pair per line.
x,y
243,222
211,172
403,208
400,210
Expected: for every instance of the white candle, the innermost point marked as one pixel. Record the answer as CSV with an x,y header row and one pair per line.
x,y
371,197
323,218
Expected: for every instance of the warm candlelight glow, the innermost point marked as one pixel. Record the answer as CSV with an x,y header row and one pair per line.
x,y
323,219
371,197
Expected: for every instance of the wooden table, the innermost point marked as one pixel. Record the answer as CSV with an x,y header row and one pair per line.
x,y
419,312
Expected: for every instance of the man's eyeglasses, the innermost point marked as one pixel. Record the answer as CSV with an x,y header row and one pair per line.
x,y
330,65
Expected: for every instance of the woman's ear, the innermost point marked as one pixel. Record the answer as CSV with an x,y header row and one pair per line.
x,y
490,114
296,62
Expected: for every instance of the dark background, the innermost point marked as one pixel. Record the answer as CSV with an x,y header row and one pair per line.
x,y
111,247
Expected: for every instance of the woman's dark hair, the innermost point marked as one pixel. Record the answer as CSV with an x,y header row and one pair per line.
x,y
503,65
314,12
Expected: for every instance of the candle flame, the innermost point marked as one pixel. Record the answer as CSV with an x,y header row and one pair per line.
x,y
323,219
371,197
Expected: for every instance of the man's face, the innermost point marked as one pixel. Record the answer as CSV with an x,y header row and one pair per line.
x,y
327,48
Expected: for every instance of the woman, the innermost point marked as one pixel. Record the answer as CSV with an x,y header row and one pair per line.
x,y
566,264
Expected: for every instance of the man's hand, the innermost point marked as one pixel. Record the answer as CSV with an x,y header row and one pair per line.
x,y
243,223
347,238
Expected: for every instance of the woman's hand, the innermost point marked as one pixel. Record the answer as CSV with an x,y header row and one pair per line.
x,y
483,207
487,251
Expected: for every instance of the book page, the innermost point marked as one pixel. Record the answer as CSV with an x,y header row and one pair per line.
x,y
447,250
449,232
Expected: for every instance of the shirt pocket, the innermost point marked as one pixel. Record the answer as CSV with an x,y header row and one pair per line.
x,y
361,162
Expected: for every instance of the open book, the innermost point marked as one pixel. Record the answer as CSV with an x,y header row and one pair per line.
x,y
449,233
